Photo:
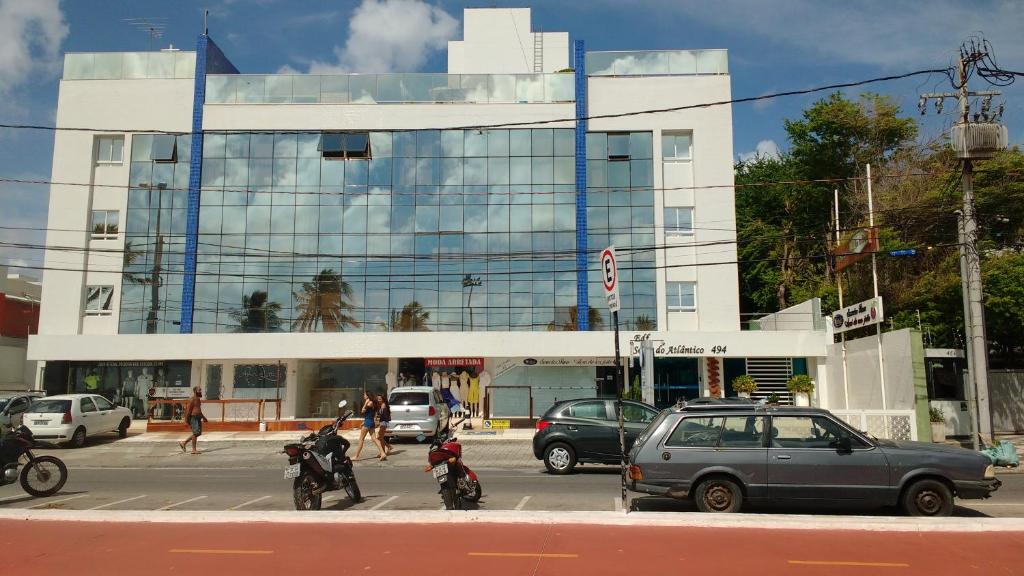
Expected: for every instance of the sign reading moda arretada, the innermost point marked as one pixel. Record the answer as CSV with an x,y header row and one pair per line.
x,y
867,313
453,362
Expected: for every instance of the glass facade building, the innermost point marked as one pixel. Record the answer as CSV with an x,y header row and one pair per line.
x,y
424,230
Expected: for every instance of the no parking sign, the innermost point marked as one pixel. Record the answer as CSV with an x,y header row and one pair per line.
x,y
610,278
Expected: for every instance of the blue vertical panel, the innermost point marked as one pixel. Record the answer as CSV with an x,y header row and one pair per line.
x,y
188,289
582,303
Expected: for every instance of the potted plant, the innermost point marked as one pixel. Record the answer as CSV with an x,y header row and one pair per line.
x,y
773,399
802,387
744,386
938,421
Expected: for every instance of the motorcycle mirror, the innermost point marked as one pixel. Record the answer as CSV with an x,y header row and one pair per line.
x,y
343,403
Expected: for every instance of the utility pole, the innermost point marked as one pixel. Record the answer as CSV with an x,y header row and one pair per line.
x,y
974,138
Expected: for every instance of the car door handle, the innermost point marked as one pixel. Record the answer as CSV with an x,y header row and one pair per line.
x,y
573,429
783,457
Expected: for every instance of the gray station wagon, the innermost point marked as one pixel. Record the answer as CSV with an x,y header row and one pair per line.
x,y
721,455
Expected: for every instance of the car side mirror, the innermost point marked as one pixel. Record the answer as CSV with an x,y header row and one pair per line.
x,y
843,445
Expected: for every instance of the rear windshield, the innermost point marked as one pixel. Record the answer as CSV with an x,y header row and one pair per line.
x,y
3,403
50,406
410,399
645,435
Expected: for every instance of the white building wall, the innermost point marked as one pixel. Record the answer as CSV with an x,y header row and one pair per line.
x,y
710,175
500,41
81,185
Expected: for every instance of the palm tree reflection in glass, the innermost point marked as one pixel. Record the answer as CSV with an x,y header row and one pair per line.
x,y
324,304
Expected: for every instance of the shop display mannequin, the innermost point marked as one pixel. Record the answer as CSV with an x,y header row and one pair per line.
x,y
485,381
464,388
435,379
473,397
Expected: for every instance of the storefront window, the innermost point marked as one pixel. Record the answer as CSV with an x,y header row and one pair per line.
x,y
264,381
324,384
128,384
510,401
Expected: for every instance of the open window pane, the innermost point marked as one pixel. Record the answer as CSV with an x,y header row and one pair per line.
x,y
165,148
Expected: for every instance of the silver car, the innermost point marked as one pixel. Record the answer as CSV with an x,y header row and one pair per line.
x,y
721,455
416,410
13,406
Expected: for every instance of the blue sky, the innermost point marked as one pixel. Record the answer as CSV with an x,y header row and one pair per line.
x,y
773,46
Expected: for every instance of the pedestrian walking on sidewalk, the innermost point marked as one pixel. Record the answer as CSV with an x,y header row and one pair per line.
x,y
384,421
369,426
194,417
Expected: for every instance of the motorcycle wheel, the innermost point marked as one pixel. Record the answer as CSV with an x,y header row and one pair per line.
x,y
475,495
303,493
352,489
451,499
44,476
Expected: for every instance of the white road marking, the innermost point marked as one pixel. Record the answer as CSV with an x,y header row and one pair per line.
x,y
176,504
47,503
15,497
522,503
253,501
383,503
109,504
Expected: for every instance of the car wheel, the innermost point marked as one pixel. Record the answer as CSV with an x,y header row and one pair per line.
x,y
928,498
122,429
718,495
78,438
559,458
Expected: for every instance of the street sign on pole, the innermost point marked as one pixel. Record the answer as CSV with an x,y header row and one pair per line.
x,y
610,278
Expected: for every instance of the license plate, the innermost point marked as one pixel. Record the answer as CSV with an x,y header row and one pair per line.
x,y
407,427
441,470
292,471
40,422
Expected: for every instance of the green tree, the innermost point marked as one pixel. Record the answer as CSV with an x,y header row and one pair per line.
x,y
257,314
325,301
1003,280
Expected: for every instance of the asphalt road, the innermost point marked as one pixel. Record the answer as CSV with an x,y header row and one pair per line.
x,y
251,478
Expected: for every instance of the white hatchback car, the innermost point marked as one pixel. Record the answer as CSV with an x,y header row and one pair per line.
x,y
72,417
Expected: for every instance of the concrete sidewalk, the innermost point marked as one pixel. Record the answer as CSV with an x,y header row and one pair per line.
x,y
137,434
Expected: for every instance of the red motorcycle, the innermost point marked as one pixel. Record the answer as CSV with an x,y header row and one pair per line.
x,y
458,483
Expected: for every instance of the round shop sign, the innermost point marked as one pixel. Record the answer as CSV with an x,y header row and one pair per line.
x,y
530,361
837,320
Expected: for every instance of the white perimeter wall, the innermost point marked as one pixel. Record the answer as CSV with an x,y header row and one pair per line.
x,y
500,41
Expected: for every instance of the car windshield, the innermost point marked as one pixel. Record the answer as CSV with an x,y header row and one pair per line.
x,y
50,406
410,399
651,428
3,403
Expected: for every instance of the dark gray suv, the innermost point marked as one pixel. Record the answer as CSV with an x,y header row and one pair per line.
x,y
720,455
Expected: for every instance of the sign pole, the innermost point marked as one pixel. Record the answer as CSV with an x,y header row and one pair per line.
x,y
842,336
610,279
874,279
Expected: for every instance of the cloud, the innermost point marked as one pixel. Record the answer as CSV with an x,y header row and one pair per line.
x,y
891,35
388,36
764,149
31,34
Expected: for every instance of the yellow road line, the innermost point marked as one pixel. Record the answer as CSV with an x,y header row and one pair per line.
x,y
844,563
210,551
521,555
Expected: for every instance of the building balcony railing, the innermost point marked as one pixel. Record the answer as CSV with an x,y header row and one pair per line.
x,y
129,65
658,63
389,88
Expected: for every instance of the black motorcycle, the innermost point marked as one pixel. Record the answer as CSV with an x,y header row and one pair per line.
x,y
41,476
318,464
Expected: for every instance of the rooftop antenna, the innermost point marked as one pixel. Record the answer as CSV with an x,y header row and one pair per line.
x,y
154,26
